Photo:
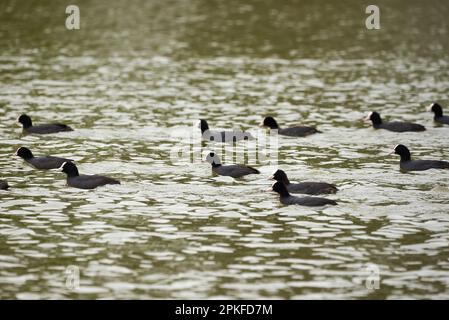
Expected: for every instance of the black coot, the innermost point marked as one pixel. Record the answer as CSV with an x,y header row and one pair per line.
x,y
74,179
4,185
235,171
222,136
304,187
287,199
42,163
438,111
407,164
28,127
299,131
394,126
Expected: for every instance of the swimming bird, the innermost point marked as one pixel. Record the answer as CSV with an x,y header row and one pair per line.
x,y
222,136
407,164
235,171
394,126
42,163
287,199
28,127
438,111
298,131
304,187
74,179
4,185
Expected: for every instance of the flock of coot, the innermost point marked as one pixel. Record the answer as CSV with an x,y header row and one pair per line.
x,y
282,186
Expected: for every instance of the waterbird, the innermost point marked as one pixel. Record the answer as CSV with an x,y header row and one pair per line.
x,y
394,126
407,164
235,170
438,113
222,136
286,198
42,163
28,127
305,187
74,179
297,131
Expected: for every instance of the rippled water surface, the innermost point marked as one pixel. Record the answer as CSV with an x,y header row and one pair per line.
x,y
134,80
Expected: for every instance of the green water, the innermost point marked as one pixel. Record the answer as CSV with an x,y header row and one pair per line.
x,y
134,79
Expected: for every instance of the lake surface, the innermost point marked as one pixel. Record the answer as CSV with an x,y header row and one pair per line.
x,y
133,81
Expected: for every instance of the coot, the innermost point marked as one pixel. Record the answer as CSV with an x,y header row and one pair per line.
x,y
235,171
438,111
74,179
42,163
28,127
287,199
4,185
394,126
407,164
222,136
304,187
298,131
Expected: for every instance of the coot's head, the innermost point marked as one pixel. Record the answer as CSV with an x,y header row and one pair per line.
x,y
280,188
402,151
375,118
24,153
437,109
213,159
203,125
270,123
70,169
25,121
280,175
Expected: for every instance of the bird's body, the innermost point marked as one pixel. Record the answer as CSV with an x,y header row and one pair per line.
x,y
407,164
438,114
4,185
442,119
90,181
287,199
305,187
394,126
29,128
422,165
234,171
41,163
222,136
297,131
74,179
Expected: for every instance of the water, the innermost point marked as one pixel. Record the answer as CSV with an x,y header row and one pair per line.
x,y
132,81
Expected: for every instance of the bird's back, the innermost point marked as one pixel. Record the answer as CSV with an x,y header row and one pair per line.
x,y
397,126
47,162
48,128
90,181
312,188
235,171
300,131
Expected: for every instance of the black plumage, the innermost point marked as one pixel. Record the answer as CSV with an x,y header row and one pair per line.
x,y
306,187
74,179
298,131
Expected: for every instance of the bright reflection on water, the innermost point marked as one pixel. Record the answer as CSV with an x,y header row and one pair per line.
x,y
134,79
